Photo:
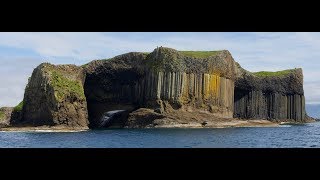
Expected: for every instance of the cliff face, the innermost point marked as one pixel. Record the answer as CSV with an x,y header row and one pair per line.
x,y
55,96
5,116
135,80
208,84
115,84
272,96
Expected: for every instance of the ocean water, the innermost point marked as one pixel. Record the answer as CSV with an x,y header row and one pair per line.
x,y
313,110
286,136
304,135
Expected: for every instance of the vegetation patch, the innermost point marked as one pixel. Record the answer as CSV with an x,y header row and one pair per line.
x,y
18,107
199,54
269,73
2,115
65,87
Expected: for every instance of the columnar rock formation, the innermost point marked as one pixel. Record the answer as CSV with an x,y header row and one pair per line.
x,y
136,80
270,96
208,81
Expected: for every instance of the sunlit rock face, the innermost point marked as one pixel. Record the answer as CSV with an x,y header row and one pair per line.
x,y
161,82
54,96
135,80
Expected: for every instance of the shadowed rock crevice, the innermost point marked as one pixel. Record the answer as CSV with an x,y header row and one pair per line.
x,y
115,84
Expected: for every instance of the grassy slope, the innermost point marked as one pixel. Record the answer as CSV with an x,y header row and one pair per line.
x,y
64,87
2,115
18,107
269,73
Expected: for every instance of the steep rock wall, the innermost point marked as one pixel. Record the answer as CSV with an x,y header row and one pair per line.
x,y
5,116
272,97
113,85
164,81
135,80
272,106
55,96
208,91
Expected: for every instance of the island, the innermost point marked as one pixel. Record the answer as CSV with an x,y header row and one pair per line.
x,y
166,88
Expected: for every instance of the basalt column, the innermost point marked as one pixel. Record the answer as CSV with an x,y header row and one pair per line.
x,y
200,90
264,105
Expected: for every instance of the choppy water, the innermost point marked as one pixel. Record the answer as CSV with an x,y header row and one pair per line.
x,y
306,135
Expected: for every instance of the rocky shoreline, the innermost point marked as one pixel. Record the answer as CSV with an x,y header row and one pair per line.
x,y
185,117
231,123
41,129
227,124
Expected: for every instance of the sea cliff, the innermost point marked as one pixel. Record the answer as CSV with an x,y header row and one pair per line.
x,y
164,88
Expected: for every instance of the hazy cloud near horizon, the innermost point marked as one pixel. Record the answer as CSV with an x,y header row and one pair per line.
x,y
21,52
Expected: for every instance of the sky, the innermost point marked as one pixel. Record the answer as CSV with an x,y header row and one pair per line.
x,y
21,52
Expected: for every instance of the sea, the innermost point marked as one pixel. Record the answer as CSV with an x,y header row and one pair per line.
x,y
286,136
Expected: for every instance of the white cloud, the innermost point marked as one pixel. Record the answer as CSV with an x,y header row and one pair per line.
x,y
254,51
14,75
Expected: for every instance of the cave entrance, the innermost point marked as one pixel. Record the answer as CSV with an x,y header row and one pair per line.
x,y
113,119
98,113
111,96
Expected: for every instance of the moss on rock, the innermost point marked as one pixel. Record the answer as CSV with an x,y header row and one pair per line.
x,y
64,87
276,73
55,96
18,107
2,116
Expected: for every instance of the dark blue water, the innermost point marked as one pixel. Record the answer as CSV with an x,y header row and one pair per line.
x,y
306,135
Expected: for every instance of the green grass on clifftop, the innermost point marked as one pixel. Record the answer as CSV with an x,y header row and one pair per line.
x,y
268,73
199,54
2,115
66,87
18,107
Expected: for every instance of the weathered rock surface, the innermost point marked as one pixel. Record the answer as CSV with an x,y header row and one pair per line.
x,y
135,80
182,118
164,88
270,97
142,118
5,116
55,96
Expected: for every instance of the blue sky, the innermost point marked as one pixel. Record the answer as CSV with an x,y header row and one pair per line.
x,y
21,52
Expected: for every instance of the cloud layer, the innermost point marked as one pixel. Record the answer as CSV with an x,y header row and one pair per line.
x,y
21,52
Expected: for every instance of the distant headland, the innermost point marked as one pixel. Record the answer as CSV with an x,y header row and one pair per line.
x,y
164,88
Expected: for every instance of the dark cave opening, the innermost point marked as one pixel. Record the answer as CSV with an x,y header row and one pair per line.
x,y
111,91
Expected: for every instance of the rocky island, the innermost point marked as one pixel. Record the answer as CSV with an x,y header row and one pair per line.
x,y
164,88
